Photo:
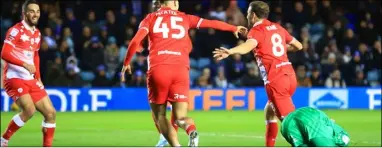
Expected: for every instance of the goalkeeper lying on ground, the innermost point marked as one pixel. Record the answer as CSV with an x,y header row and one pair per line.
x,y
311,127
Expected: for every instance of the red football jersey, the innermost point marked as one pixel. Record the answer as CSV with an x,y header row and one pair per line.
x,y
25,41
271,51
169,42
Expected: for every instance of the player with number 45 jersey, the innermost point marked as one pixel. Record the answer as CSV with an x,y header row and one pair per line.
x,y
168,71
269,42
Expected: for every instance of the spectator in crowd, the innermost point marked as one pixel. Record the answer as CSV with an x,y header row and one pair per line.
x,y
335,80
302,79
220,79
219,13
252,77
91,22
360,80
138,79
49,38
204,81
316,78
100,79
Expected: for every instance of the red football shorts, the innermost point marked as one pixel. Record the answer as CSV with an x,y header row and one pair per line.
x,y
15,88
280,92
168,83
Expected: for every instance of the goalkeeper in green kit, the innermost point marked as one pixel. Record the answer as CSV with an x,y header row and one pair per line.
x,y
311,127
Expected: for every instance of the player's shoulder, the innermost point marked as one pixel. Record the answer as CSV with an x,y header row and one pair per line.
x,y
15,29
18,26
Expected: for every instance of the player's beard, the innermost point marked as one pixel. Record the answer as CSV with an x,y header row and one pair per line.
x,y
32,21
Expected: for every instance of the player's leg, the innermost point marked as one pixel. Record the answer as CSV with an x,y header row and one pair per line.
x,y
185,123
162,140
45,107
158,93
271,125
159,111
280,93
18,91
178,94
26,104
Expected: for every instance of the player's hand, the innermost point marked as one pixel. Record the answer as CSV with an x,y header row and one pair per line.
x,y
221,53
242,30
30,68
123,71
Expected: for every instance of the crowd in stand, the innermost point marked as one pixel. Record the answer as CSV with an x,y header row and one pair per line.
x,y
84,43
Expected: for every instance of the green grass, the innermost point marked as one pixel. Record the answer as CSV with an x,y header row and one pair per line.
x,y
217,128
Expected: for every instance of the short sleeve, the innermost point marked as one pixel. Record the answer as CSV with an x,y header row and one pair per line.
x,y
195,21
288,38
255,35
145,23
12,36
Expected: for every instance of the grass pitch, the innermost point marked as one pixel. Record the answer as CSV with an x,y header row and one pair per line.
x,y
216,128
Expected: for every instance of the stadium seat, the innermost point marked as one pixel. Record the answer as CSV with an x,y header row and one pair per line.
x,y
87,75
203,62
193,63
373,75
194,74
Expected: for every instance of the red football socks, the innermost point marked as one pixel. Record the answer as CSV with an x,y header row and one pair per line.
x,y
271,133
190,129
48,133
15,124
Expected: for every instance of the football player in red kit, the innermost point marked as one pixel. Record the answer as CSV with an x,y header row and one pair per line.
x,y
269,43
162,140
22,80
168,73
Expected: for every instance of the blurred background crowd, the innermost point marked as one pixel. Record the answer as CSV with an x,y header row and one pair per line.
x,y
84,42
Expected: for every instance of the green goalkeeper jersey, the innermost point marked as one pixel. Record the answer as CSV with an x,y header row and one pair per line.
x,y
311,127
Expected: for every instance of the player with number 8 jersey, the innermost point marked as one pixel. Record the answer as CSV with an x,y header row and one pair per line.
x,y
268,41
168,72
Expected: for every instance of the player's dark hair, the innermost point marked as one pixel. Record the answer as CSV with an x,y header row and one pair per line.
x,y
164,1
260,8
28,2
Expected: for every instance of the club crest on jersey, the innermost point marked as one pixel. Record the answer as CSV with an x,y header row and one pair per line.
x,y
14,32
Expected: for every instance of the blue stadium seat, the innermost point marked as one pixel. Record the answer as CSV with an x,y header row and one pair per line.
x,y
194,74
87,75
373,75
193,63
203,62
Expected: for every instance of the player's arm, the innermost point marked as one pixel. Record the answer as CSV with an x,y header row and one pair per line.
x,y
134,45
36,61
293,43
8,47
197,22
251,43
244,48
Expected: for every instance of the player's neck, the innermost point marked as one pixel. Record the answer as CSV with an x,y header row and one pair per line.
x,y
257,22
169,7
29,26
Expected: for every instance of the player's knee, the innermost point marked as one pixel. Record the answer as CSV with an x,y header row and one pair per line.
x,y
182,122
270,115
50,115
28,112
